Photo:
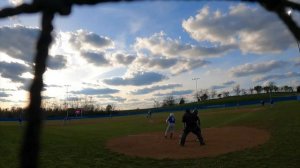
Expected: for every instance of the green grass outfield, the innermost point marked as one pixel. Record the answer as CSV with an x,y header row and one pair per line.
x,y
81,143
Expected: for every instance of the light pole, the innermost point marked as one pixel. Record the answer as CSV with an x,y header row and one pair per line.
x,y
196,79
67,99
67,95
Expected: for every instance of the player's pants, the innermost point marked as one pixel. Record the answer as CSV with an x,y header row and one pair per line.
x,y
170,128
196,131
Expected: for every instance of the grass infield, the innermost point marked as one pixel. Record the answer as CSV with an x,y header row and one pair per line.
x,y
81,143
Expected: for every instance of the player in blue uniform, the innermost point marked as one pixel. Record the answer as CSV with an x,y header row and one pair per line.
x,y
171,125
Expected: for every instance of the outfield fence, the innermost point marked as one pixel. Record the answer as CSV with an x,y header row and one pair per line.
x,y
171,109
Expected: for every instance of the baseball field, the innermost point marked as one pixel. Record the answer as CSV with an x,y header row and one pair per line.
x,y
251,136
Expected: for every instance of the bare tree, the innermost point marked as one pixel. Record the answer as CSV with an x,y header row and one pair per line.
x,y
266,89
237,90
251,90
271,86
182,101
258,89
244,91
213,93
219,95
204,97
110,108
285,88
226,94
291,89
199,94
168,101
156,103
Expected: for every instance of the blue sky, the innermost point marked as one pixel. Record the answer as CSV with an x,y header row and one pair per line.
x,y
130,54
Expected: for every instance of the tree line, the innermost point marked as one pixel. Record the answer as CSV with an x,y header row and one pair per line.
x,y
89,108
205,94
16,112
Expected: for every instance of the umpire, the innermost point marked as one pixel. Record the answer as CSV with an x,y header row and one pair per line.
x,y
191,124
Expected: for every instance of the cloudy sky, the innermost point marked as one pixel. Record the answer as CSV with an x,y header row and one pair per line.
x,y
130,54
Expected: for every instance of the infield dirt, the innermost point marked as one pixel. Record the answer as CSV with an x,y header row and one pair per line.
x,y
218,141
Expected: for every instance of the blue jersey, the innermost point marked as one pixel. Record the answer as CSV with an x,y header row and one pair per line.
x,y
171,120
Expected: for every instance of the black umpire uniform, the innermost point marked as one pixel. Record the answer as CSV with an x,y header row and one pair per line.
x,y
191,124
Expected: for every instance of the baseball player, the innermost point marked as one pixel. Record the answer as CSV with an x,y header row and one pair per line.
x,y
171,125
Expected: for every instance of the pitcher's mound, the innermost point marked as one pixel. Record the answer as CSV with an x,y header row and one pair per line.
x,y
218,141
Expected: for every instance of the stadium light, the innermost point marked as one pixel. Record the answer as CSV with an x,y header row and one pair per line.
x,y
196,79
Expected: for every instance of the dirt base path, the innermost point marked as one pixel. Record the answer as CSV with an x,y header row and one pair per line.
x,y
218,141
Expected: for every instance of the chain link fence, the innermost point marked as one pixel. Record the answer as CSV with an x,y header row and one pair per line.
x,y
29,154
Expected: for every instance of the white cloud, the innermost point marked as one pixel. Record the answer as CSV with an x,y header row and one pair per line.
x,y
96,58
16,2
13,71
152,62
96,91
155,88
295,82
259,68
110,98
277,77
159,52
161,45
297,61
223,85
19,41
123,59
137,79
254,30
175,93
5,100
4,94
174,66
83,40
57,62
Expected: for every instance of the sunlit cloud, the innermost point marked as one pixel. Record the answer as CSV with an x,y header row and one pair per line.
x,y
16,2
175,66
84,40
160,44
265,33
